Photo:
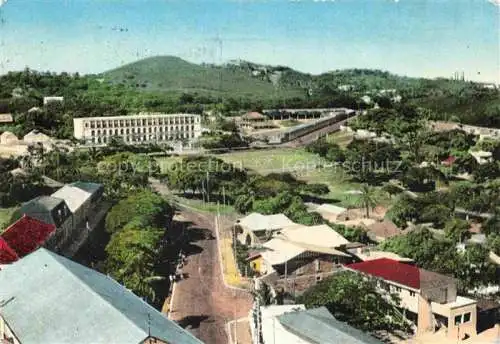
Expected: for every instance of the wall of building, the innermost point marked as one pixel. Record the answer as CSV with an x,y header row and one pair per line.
x,y
305,272
141,128
425,317
467,320
443,292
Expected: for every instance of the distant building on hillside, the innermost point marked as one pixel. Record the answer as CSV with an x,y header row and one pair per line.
x,y
36,136
47,100
142,128
6,118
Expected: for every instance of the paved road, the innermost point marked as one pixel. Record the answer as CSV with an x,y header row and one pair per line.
x,y
201,302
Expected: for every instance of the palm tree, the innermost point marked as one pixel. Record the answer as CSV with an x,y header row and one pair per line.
x,y
368,198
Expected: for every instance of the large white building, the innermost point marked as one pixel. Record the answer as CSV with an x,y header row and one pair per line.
x,y
138,129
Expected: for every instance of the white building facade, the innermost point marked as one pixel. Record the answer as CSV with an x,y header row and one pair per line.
x,y
142,128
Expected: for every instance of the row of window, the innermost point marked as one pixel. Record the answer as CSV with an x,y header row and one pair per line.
x,y
145,138
139,131
139,122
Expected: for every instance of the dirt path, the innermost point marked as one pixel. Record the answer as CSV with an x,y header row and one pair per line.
x,y
201,302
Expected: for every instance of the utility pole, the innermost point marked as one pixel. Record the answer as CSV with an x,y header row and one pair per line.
x,y
286,275
208,189
223,196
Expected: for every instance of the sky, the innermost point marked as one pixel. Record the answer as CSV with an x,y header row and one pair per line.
x,y
429,38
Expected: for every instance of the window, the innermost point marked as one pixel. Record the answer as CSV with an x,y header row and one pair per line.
x,y
458,319
318,278
466,318
412,293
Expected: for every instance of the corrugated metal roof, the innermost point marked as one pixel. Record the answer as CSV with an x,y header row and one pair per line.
x,y
41,208
320,235
74,197
258,222
50,299
318,325
88,186
279,251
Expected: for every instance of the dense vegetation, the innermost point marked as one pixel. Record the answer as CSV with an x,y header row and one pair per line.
x,y
471,267
136,251
356,300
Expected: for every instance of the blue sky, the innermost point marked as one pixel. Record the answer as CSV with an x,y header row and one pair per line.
x,y
409,37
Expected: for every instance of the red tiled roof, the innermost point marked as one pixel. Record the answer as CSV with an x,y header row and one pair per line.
x,y
390,270
27,234
7,255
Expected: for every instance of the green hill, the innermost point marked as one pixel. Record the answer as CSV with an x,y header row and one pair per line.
x,y
168,73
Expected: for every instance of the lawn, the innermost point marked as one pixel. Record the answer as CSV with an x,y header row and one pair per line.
x,y
303,165
274,160
341,138
5,215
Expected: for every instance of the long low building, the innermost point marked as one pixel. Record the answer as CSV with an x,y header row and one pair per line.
x,y
142,128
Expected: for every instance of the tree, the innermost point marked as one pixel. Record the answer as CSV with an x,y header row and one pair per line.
x,y
494,243
404,209
457,230
263,294
368,198
474,269
438,214
356,299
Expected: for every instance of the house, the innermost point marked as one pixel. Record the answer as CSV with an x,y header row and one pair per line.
x,y
364,134
255,120
46,298
327,211
34,109
383,230
482,157
35,136
7,254
317,236
27,234
8,138
300,256
254,227
366,99
51,211
82,198
47,100
428,298
288,324
6,118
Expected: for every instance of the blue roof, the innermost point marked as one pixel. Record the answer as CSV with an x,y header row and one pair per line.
x,y
318,325
46,298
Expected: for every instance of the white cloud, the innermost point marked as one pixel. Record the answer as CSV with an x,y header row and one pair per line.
x,y
2,2
495,2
